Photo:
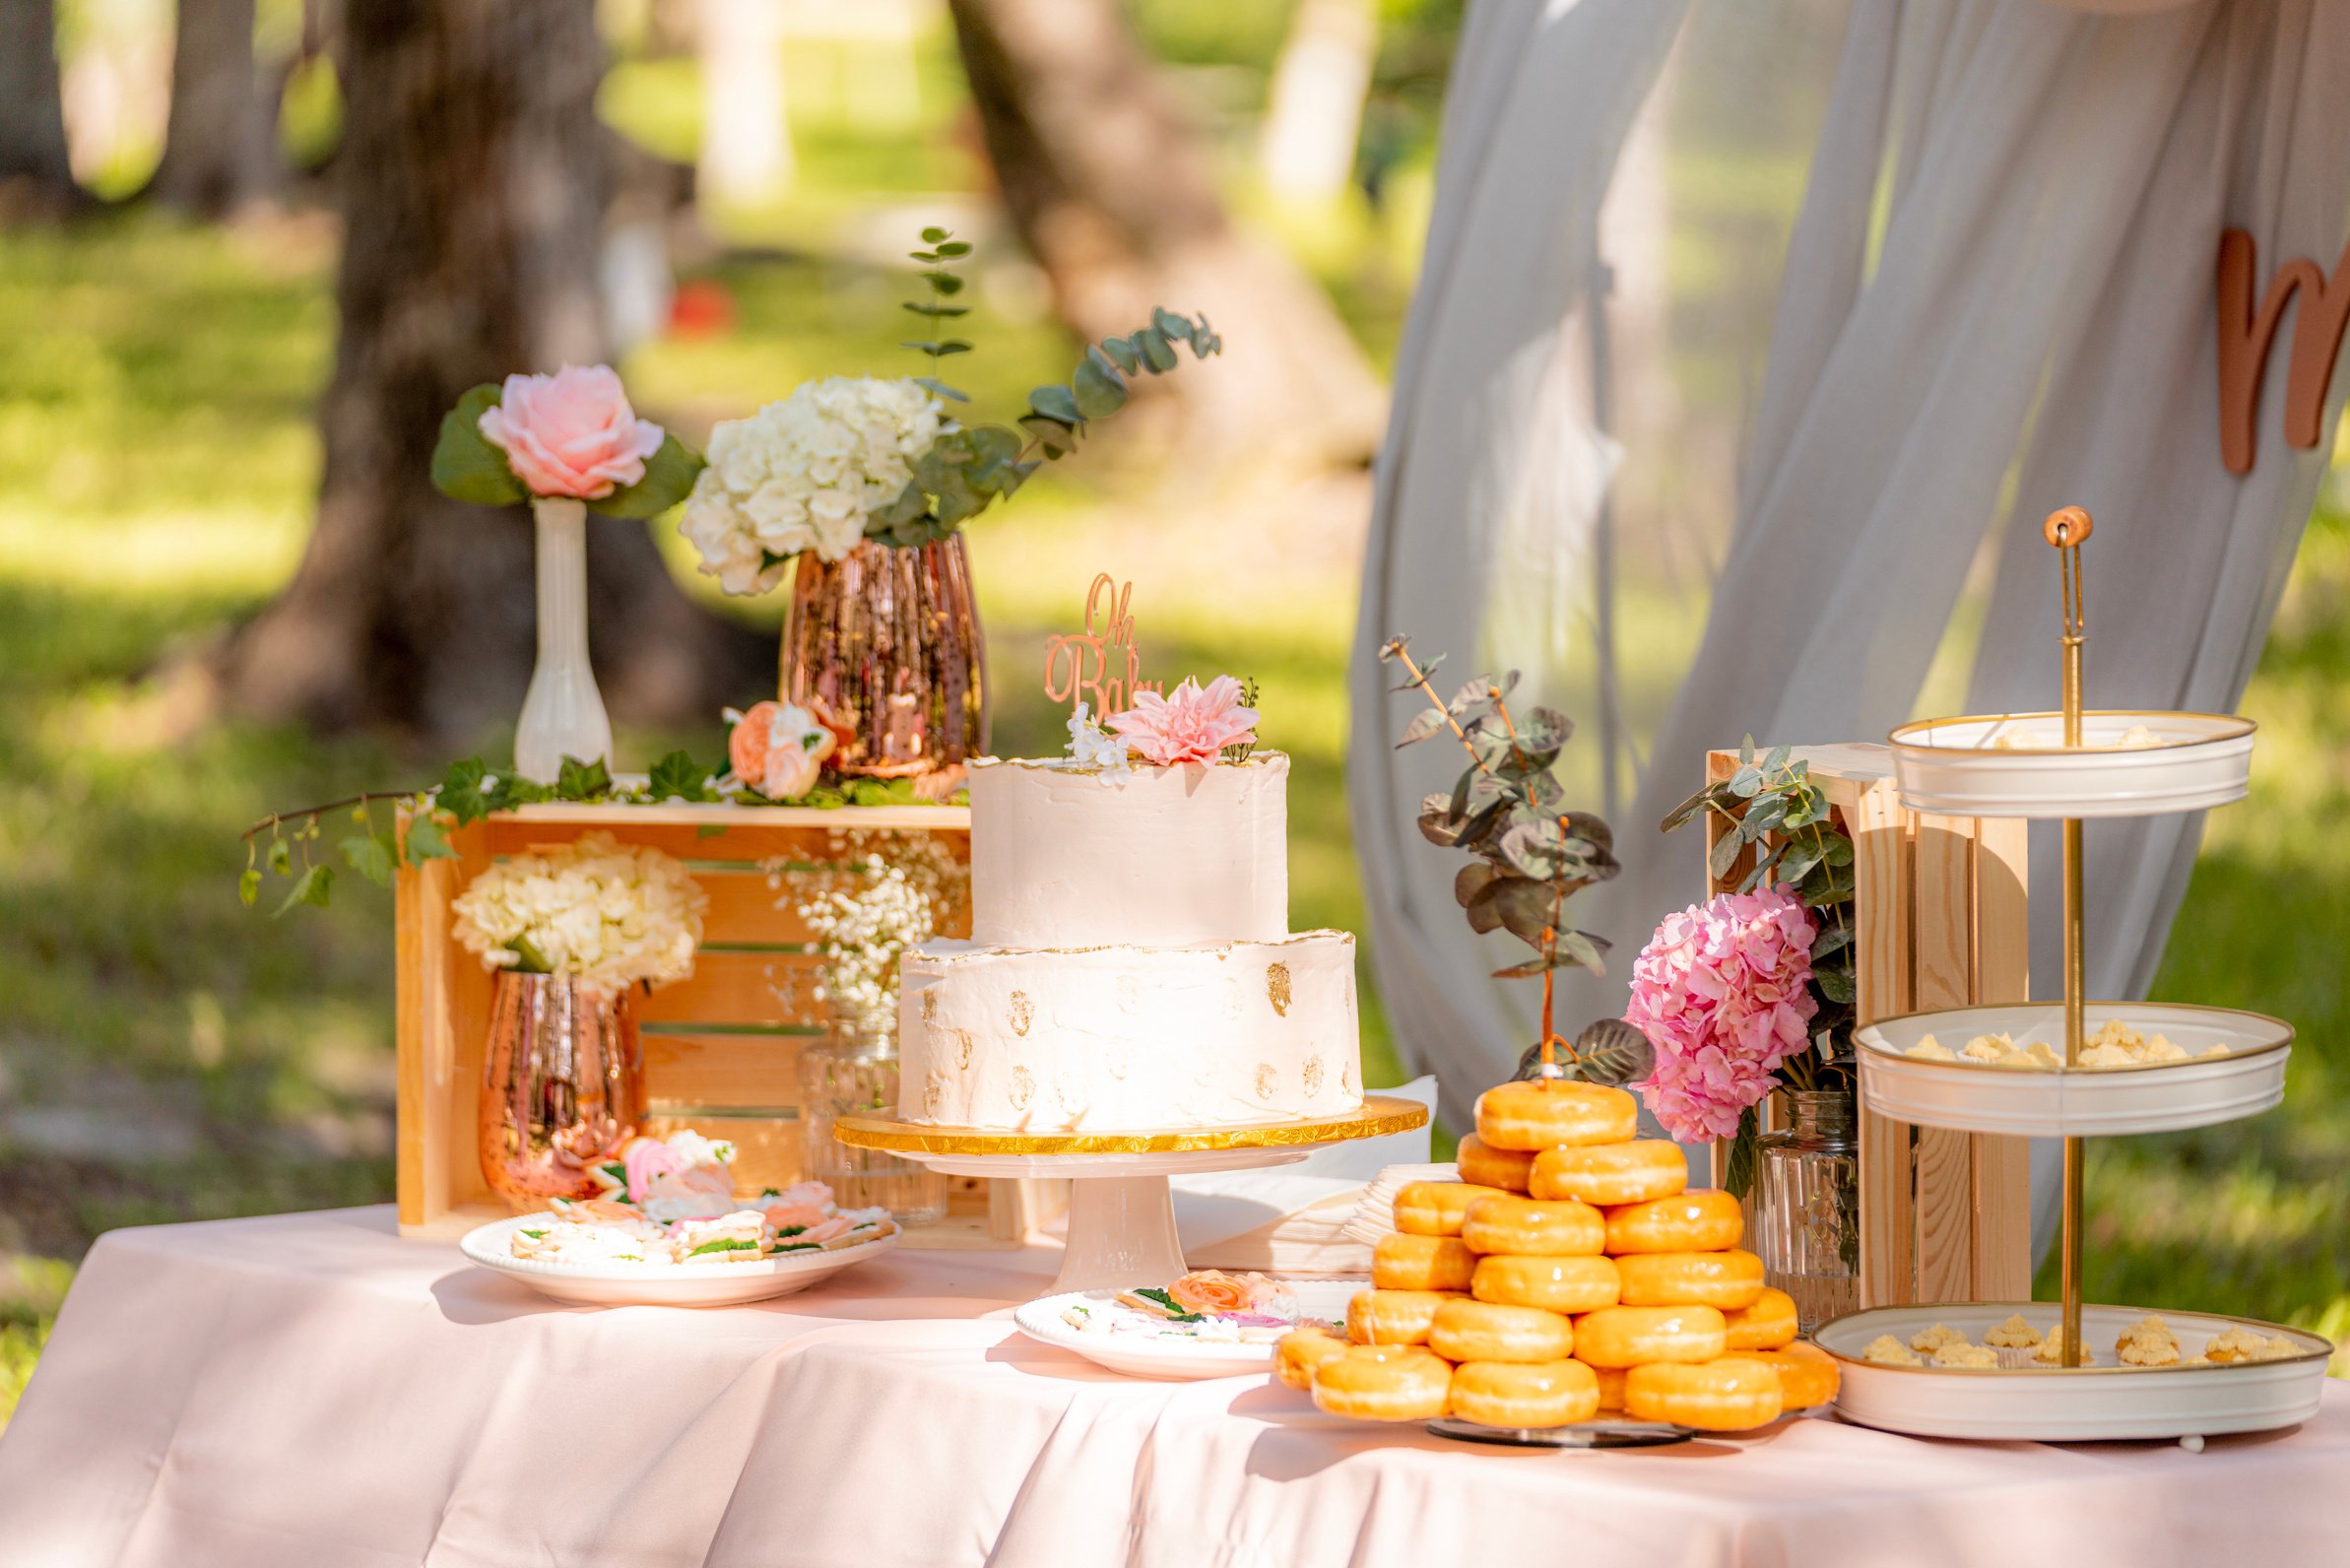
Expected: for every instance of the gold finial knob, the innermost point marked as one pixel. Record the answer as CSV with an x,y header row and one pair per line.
x,y
2067,526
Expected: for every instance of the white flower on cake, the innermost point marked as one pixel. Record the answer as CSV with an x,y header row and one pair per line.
x,y
805,474
602,913
1091,746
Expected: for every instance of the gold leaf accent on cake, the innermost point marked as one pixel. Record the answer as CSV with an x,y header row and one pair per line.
x,y
1346,1078
1130,994
930,1006
1264,1080
1024,1087
1276,987
933,1094
962,1048
1313,1075
1023,1012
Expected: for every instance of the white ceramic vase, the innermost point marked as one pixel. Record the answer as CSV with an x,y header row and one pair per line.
x,y
563,715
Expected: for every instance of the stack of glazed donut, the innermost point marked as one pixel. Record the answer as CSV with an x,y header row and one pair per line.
x,y
1570,1271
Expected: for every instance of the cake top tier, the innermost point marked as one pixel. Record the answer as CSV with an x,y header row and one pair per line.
x,y
1064,856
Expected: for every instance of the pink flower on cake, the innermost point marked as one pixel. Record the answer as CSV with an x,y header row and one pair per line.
x,y
571,434
1191,724
1721,991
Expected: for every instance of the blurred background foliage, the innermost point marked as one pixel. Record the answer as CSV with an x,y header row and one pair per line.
x,y
166,1056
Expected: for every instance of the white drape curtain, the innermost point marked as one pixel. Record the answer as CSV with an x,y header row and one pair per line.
x,y
1986,231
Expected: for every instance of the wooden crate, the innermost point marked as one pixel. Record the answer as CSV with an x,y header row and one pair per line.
x,y
1942,910
721,1049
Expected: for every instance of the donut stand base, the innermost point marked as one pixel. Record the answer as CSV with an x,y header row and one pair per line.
x,y
1582,1434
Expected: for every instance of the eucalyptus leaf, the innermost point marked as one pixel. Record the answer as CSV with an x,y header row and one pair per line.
x,y
1426,722
425,841
1056,403
314,886
1723,856
1096,388
370,855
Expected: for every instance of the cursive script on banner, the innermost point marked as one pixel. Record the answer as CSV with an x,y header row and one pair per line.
x,y
2246,334
1102,663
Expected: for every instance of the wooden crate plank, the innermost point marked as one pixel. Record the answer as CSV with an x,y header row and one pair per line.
x,y
741,988
1943,941
724,1069
736,818
2003,972
1879,832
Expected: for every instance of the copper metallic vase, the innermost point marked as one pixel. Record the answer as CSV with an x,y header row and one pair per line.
x,y
890,638
562,1087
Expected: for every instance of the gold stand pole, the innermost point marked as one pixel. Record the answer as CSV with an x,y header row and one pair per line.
x,y
2065,530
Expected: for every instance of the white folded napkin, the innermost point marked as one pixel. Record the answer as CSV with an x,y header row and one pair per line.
x,y
1288,1219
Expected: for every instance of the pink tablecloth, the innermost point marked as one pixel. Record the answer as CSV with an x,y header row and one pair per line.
x,y
312,1392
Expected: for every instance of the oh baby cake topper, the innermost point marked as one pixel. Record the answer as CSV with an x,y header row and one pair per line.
x,y
1102,663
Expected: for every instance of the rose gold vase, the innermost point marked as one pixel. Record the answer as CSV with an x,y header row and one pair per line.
x,y
562,1087
890,638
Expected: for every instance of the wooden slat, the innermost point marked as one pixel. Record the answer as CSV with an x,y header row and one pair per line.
x,y
1879,832
736,818
741,988
2003,972
723,1069
1942,940
746,842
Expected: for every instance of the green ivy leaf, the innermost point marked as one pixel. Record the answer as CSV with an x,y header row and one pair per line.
x,y
425,840
312,888
678,777
370,855
668,476
281,857
465,466
460,792
582,781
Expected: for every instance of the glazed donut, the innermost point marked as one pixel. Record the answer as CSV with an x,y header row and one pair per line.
x,y
1636,1336
1484,1330
1383,1383
1393,1316
1481,1162
1612,1384
1731,1280
1806,1373
1296,1354
1560,1285
1554,1112
1421,1263
1525,1227
1436,1209
1725,1396
1523,1394
1611,1173
1703,1220
1767,1324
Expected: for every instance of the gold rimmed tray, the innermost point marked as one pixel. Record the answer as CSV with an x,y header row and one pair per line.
x,y
1380,1115
2016,765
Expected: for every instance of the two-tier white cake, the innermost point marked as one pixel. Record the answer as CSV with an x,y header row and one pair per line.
x,y
1130,964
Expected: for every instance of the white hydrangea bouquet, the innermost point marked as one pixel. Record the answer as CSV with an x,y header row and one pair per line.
x,y
606,914
851,458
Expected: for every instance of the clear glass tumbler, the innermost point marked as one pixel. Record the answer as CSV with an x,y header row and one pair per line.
x,y
1808,1205
853,1072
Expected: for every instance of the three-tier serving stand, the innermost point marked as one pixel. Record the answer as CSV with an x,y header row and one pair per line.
x,y
2075,764
1121,1209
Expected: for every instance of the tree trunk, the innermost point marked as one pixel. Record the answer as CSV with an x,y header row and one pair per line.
x,y
215,144
1113,194
1316,115
34,172
472,174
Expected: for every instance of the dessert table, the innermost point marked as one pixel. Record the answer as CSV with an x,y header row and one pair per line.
x,y
314,1391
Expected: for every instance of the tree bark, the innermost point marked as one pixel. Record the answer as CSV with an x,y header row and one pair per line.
x,y
216,143
472,174
36,174
1113,194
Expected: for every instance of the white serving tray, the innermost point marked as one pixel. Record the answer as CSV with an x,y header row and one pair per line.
x,y
2058,1404
676,1284
2090,1102
1959,767
1174,1358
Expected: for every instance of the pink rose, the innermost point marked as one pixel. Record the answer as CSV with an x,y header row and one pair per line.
x,y
571,434
1190,724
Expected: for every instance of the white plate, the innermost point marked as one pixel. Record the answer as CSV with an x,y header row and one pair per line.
x,y
1950,765
2088,1102
2056,1404
1174,1358
680,1284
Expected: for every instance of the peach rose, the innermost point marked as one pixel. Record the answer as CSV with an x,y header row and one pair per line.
x,y
778,748
571,434
1211,1290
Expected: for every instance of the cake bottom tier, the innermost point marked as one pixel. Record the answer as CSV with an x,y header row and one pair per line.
x,y
1129,1038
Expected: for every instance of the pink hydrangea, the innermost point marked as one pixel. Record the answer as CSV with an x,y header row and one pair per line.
x,y
1721,991
1190,724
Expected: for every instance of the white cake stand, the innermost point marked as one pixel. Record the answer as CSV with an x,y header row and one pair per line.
x,y
1121,1211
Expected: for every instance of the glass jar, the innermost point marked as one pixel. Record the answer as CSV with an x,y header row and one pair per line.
x,y
1808,1205
852,1072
